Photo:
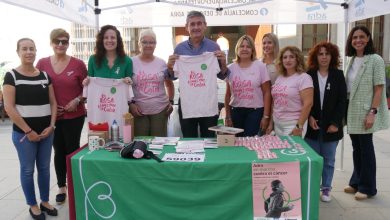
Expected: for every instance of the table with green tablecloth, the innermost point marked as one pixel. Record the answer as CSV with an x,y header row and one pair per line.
x,y
107,186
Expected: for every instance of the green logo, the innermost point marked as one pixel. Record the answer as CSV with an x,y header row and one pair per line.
x,y
203,67
113,90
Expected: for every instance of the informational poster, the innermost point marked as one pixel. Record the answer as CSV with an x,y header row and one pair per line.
x,y
276,191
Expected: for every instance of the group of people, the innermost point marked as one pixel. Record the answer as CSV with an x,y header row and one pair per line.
x,y
314,102
275,93
46,105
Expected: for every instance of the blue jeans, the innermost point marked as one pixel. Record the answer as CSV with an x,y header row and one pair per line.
x,y
247,119
328,151
364,164
30,153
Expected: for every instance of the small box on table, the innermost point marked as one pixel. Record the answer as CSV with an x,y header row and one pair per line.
x,y
225,135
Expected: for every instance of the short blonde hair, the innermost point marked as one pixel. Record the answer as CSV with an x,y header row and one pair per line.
x,y
58,32
251,43
300,67
146,32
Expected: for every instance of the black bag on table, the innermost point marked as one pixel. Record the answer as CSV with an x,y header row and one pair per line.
x,y
138,150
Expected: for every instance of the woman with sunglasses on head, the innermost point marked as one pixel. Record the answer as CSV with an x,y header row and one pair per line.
x,y
325,127
31,105
151,105
367,109
67,74
248,90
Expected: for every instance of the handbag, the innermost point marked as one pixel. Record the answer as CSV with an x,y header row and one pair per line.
x,y
138,150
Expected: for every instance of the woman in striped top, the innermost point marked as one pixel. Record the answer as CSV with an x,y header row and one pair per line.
x,y
30,103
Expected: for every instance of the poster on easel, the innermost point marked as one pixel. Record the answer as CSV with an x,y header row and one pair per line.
x,y
276,191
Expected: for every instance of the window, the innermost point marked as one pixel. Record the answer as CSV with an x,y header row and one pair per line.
x,y
313,34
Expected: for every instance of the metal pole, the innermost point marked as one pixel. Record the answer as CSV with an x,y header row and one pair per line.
x,y
345,5
97,11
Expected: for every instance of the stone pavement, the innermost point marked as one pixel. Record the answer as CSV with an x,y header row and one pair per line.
x,y
342,207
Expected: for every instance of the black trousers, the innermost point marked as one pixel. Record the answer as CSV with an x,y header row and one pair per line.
x,y
66,140
189,126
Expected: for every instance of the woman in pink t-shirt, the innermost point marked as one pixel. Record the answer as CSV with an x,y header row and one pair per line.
x,y
248,90
292,93
151,106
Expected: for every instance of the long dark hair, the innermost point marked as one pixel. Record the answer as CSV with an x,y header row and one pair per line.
x,y
369,49
100,51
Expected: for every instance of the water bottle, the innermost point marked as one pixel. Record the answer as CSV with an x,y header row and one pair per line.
x,y
114,131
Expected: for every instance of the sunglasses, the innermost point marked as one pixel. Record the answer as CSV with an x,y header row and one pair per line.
x,y
62,42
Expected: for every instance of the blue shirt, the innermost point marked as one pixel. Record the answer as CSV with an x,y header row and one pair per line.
x,y
206,45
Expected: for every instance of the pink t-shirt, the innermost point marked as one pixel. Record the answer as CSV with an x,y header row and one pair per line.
x,y
67,84
245,84
287,103
148,85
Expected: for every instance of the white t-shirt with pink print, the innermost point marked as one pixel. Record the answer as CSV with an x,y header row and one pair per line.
x,y
245,84
287,103
198,84
148,85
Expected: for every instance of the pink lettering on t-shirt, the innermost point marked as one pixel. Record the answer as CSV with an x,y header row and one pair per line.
x,y
106,104
149,83
242,89
280,95
196,80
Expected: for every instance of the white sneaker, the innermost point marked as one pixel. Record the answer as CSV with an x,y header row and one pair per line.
x,y
325,196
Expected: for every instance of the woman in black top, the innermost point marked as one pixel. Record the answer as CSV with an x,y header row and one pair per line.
x,y
329,102
30,103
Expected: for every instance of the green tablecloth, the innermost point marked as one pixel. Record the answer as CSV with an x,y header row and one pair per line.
x,y
107,186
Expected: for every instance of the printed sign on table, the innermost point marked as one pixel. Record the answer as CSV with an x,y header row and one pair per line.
x,y
276,191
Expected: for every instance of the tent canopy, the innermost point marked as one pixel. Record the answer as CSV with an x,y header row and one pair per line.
x,y
153,13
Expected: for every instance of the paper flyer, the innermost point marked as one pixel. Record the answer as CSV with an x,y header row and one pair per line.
x,y
276,191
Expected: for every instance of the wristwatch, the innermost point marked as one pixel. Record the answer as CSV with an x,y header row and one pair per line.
x,y
300,127
373,111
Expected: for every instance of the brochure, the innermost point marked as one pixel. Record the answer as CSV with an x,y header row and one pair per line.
x,y
276,191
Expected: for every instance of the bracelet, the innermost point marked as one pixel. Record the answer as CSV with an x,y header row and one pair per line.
x,y
297,126
228,118
266,116
172,102
28,132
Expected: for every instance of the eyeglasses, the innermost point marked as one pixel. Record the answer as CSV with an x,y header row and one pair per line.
x,y
152,43
62,42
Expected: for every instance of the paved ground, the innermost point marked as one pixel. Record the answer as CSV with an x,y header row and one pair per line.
x,y
342,207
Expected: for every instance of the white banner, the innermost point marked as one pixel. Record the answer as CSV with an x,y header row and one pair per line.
x,y
362,9
76,11
234,12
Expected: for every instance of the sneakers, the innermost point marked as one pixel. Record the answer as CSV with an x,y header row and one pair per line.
x,y
325,195
350,189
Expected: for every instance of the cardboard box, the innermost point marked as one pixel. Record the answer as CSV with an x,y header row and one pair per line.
x,y
225,135
225,140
